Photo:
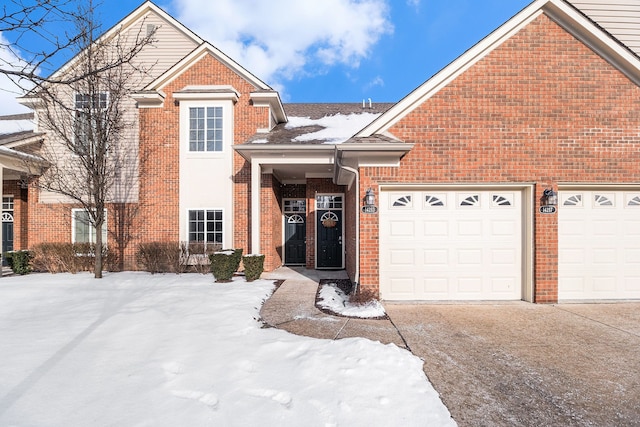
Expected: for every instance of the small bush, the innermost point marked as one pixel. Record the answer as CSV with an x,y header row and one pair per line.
x,y
19,261
162,257
253,266
223,265
363,296
237,257
66,257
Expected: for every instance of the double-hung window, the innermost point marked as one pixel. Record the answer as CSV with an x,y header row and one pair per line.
x,y
82,230
205,129
90,119
205,226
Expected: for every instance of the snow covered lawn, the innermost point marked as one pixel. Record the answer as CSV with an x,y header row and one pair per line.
x,y
134,349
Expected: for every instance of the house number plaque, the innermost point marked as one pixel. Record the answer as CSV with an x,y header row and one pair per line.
x,y
369,209
547,209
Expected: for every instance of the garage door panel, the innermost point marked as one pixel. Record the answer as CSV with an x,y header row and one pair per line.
x,y
632,286
402,257
403,285
462,241
402,229
436,257
598,245
503,257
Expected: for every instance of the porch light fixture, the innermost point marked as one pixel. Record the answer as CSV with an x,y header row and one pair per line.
x,y
549,197
369,197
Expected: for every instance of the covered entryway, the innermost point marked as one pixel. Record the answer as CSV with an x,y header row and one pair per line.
x,y
598,244
445,244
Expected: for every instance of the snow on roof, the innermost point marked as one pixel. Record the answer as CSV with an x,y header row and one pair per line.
x,y
16,123
336,129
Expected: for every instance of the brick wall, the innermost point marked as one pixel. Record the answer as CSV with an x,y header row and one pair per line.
x,y
540,108
160,145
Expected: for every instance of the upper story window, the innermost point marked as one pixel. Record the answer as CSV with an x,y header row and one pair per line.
x,y
205,129
90,119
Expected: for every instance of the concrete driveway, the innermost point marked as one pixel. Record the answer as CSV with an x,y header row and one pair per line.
x,y
520,364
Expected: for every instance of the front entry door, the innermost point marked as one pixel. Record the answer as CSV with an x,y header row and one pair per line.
x,y
7,234
295,232
329,230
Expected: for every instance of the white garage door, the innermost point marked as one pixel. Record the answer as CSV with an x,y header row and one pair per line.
x,y
451,245
599,245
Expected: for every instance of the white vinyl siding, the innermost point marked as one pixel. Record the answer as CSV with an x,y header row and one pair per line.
x,y
621,18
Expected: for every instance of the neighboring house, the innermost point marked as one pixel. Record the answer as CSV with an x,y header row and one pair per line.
x,y
458,168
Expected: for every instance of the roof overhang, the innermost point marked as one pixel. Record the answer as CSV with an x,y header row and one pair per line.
x,y
22,162
358,155
273,101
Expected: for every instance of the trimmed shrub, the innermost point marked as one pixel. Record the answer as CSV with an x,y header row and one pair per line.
x,y
253,266
162,257
19,261
237,257
223,265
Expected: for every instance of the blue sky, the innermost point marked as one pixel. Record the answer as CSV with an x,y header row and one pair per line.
x,y
336,50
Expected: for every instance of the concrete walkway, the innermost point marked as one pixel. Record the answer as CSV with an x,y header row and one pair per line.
x,y
292,308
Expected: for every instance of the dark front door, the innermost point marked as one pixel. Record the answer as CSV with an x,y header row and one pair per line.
x,y
7,237
295,233
329,239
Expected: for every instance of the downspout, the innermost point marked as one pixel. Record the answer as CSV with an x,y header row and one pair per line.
x,y
356,278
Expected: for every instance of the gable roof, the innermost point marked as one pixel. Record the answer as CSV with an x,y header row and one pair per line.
x,y
143,10
197,54
564,14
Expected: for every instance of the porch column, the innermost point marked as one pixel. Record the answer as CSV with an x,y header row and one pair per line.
x,y
1,196
256,184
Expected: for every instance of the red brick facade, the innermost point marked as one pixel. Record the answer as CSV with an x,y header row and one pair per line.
x,y
540,108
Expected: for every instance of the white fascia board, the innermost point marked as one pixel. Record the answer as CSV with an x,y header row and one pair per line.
x,y
557,10
285,153
214,92
150,99
198,53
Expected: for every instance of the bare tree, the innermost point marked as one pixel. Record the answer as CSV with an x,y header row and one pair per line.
x,y
86,111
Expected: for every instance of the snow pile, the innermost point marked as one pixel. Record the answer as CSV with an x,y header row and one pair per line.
x,y
334,299
337,128
134,349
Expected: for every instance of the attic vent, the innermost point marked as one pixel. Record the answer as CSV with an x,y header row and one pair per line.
x,y
364,105
151,29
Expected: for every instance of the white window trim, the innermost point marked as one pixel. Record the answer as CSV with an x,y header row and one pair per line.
x,y
104,227
77,110
224,220
227,127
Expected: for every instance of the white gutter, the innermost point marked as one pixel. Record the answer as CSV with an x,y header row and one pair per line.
x,y
356,278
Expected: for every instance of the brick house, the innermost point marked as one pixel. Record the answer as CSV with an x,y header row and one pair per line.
x,y
458,168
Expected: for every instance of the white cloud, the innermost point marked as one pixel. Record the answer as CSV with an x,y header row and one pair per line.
x,y
414,4
377,81
8,89
281,39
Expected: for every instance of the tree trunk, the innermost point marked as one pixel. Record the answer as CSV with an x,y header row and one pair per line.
x,y
97,269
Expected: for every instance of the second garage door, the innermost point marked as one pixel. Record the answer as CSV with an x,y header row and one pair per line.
x,y
451,245
599,245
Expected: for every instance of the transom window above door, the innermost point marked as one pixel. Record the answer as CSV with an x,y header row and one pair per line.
x,y
295,205
205,129
328,202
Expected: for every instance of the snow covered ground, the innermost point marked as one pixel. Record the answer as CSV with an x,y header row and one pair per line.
x,y
134,349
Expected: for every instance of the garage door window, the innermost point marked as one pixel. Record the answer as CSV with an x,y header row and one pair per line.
x,y
472,200
572,200
434,200
602,200
633,200
499,200
405,201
